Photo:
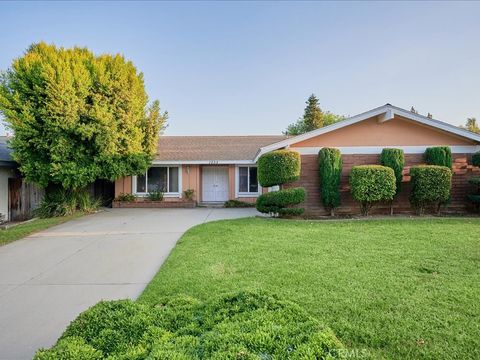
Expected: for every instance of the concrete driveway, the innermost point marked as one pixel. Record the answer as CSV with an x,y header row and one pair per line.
x,y
48,278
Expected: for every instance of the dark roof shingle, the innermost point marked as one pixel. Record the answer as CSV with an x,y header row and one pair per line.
x,y
208,148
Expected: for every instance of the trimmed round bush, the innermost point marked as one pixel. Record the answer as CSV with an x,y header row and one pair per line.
x,y
246,325
278,167
372,183
431,186
280,202
476,159
439,155
330,173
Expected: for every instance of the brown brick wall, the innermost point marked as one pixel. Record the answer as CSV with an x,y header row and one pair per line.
x,y
313,206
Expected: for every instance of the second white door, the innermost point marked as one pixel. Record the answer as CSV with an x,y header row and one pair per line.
x,y
214,184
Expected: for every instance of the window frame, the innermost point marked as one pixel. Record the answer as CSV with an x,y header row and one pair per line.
x,y
240,194
165,194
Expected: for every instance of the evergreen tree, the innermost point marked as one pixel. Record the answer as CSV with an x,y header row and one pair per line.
x,y
313,115
313,118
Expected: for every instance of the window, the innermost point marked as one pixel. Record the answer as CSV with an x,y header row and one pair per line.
x,y
159,178
247,180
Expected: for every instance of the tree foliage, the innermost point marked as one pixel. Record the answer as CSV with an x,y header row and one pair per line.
x,y
330,173
78,117
313,118
472,125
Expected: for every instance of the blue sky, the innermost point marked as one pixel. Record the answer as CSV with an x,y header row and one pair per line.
x,y
248,67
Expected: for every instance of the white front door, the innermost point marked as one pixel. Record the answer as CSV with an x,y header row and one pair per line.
x,y
214,184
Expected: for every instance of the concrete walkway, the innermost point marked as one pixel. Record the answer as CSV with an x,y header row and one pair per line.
x,y
48,278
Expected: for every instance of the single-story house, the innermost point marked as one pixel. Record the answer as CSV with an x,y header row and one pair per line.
x,y
219,168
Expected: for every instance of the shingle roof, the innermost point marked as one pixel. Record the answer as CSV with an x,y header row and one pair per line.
x,y
5,153
208,148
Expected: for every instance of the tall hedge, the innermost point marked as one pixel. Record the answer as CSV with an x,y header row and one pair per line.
x,y
439,155
372,183
395,159
278,167
431,186
476,159
330,173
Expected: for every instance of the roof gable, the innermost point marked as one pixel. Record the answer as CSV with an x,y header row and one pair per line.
x,y
382,114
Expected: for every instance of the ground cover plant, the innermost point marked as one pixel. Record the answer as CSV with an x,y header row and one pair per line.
x,y
399,288
65,202
244,325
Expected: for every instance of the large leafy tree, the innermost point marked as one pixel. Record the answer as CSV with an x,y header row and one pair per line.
x,y
313,118
78,117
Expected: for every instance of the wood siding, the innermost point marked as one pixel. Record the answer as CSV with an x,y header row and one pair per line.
x,y
23,199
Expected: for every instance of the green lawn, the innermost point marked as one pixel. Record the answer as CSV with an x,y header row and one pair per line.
x,y
402,289
22,230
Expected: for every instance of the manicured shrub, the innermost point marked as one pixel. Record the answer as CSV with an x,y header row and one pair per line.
x,y
280,202
238,204
278,167
439,155
395,159
330,173
372,183
476,159
431,186
245,325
